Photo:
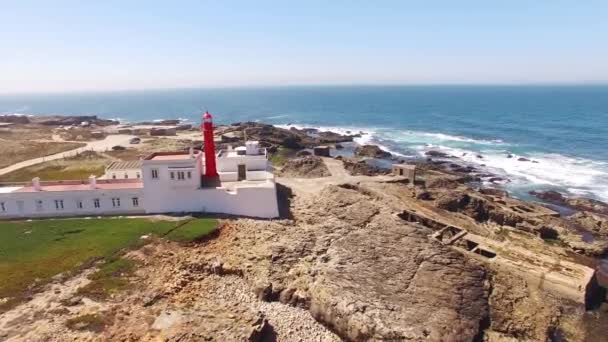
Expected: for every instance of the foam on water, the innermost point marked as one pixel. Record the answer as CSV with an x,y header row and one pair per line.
x,y
575,176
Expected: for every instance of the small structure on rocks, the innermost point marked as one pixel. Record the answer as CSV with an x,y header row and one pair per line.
x,y
321,151
404,170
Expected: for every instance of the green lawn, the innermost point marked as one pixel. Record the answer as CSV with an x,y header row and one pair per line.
x,y
40,249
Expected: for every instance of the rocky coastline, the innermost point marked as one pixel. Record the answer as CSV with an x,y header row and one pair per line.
x,y
363,255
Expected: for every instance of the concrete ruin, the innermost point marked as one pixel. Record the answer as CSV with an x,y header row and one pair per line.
x,y
404,170
321,151
546,272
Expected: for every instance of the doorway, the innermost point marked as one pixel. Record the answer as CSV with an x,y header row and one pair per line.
x,y
242,172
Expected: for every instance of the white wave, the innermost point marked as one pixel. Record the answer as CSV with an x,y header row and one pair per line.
x,y
576,176
447,137
275,117
16,114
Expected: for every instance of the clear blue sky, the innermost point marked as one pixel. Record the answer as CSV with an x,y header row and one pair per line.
x,y
104,45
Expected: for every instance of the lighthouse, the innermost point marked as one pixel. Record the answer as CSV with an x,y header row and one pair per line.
x,y
207,128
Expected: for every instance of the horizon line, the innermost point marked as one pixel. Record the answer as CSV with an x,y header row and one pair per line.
x,y
307,85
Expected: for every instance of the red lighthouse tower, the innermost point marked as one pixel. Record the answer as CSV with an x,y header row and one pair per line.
x,y
207,128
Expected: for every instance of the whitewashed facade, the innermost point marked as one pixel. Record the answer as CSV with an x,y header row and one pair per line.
x,y
168,183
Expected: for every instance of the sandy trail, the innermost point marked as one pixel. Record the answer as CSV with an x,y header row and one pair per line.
x,y
98,146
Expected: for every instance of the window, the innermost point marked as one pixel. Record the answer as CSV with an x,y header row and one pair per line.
x,y
137,175
79,204
59,204
181,175
39,206
2,206
116,202
172,175
96,203
155,173
126,175
135,201
113,176
189,174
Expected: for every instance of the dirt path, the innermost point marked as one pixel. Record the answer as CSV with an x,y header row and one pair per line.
x,y
98,146
338,176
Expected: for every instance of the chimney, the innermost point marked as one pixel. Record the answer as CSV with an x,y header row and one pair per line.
x,y
191,152
36,184
93,182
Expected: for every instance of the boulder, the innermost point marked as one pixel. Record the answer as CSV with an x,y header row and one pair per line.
x,y
371,151
437,154
303,153
550,196
361,168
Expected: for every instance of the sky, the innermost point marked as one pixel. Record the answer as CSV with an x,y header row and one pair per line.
x,y
65,46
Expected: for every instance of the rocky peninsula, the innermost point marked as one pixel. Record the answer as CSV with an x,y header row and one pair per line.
x,y
358,254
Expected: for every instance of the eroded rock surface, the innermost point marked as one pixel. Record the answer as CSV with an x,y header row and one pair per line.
x,y
304,167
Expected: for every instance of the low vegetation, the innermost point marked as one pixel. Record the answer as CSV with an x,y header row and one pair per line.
x,y
80,166
192,230
32,252
127,154
111,277
283,154
15,151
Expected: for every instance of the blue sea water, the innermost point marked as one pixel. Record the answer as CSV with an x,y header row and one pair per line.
x,y
564,129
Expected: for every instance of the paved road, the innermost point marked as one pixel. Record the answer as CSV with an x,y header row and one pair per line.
x,y
98,146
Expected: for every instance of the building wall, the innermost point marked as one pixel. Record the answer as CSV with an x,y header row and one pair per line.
x,y
255,201
30,208
253,163
159,194
164,183
250,175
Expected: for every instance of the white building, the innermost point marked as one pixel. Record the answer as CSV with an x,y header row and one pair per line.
x,y
164,183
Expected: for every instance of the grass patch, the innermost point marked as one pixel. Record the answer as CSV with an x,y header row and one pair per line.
x,y
14,151
72,168
33,252
90,322
111,277
193,230
282,155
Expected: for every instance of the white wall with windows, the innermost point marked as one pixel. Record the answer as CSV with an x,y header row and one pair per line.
x,y
72,203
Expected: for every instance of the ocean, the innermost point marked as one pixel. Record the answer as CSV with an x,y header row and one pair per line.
x,y
562,130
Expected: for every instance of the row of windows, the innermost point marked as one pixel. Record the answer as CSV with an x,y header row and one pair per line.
x,y
137,175
59,204
181,175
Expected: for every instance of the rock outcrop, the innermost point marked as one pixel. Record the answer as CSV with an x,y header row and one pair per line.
x,y
18,119
290,138
357,167
577,203
371,151
304,167
71,120
332,260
